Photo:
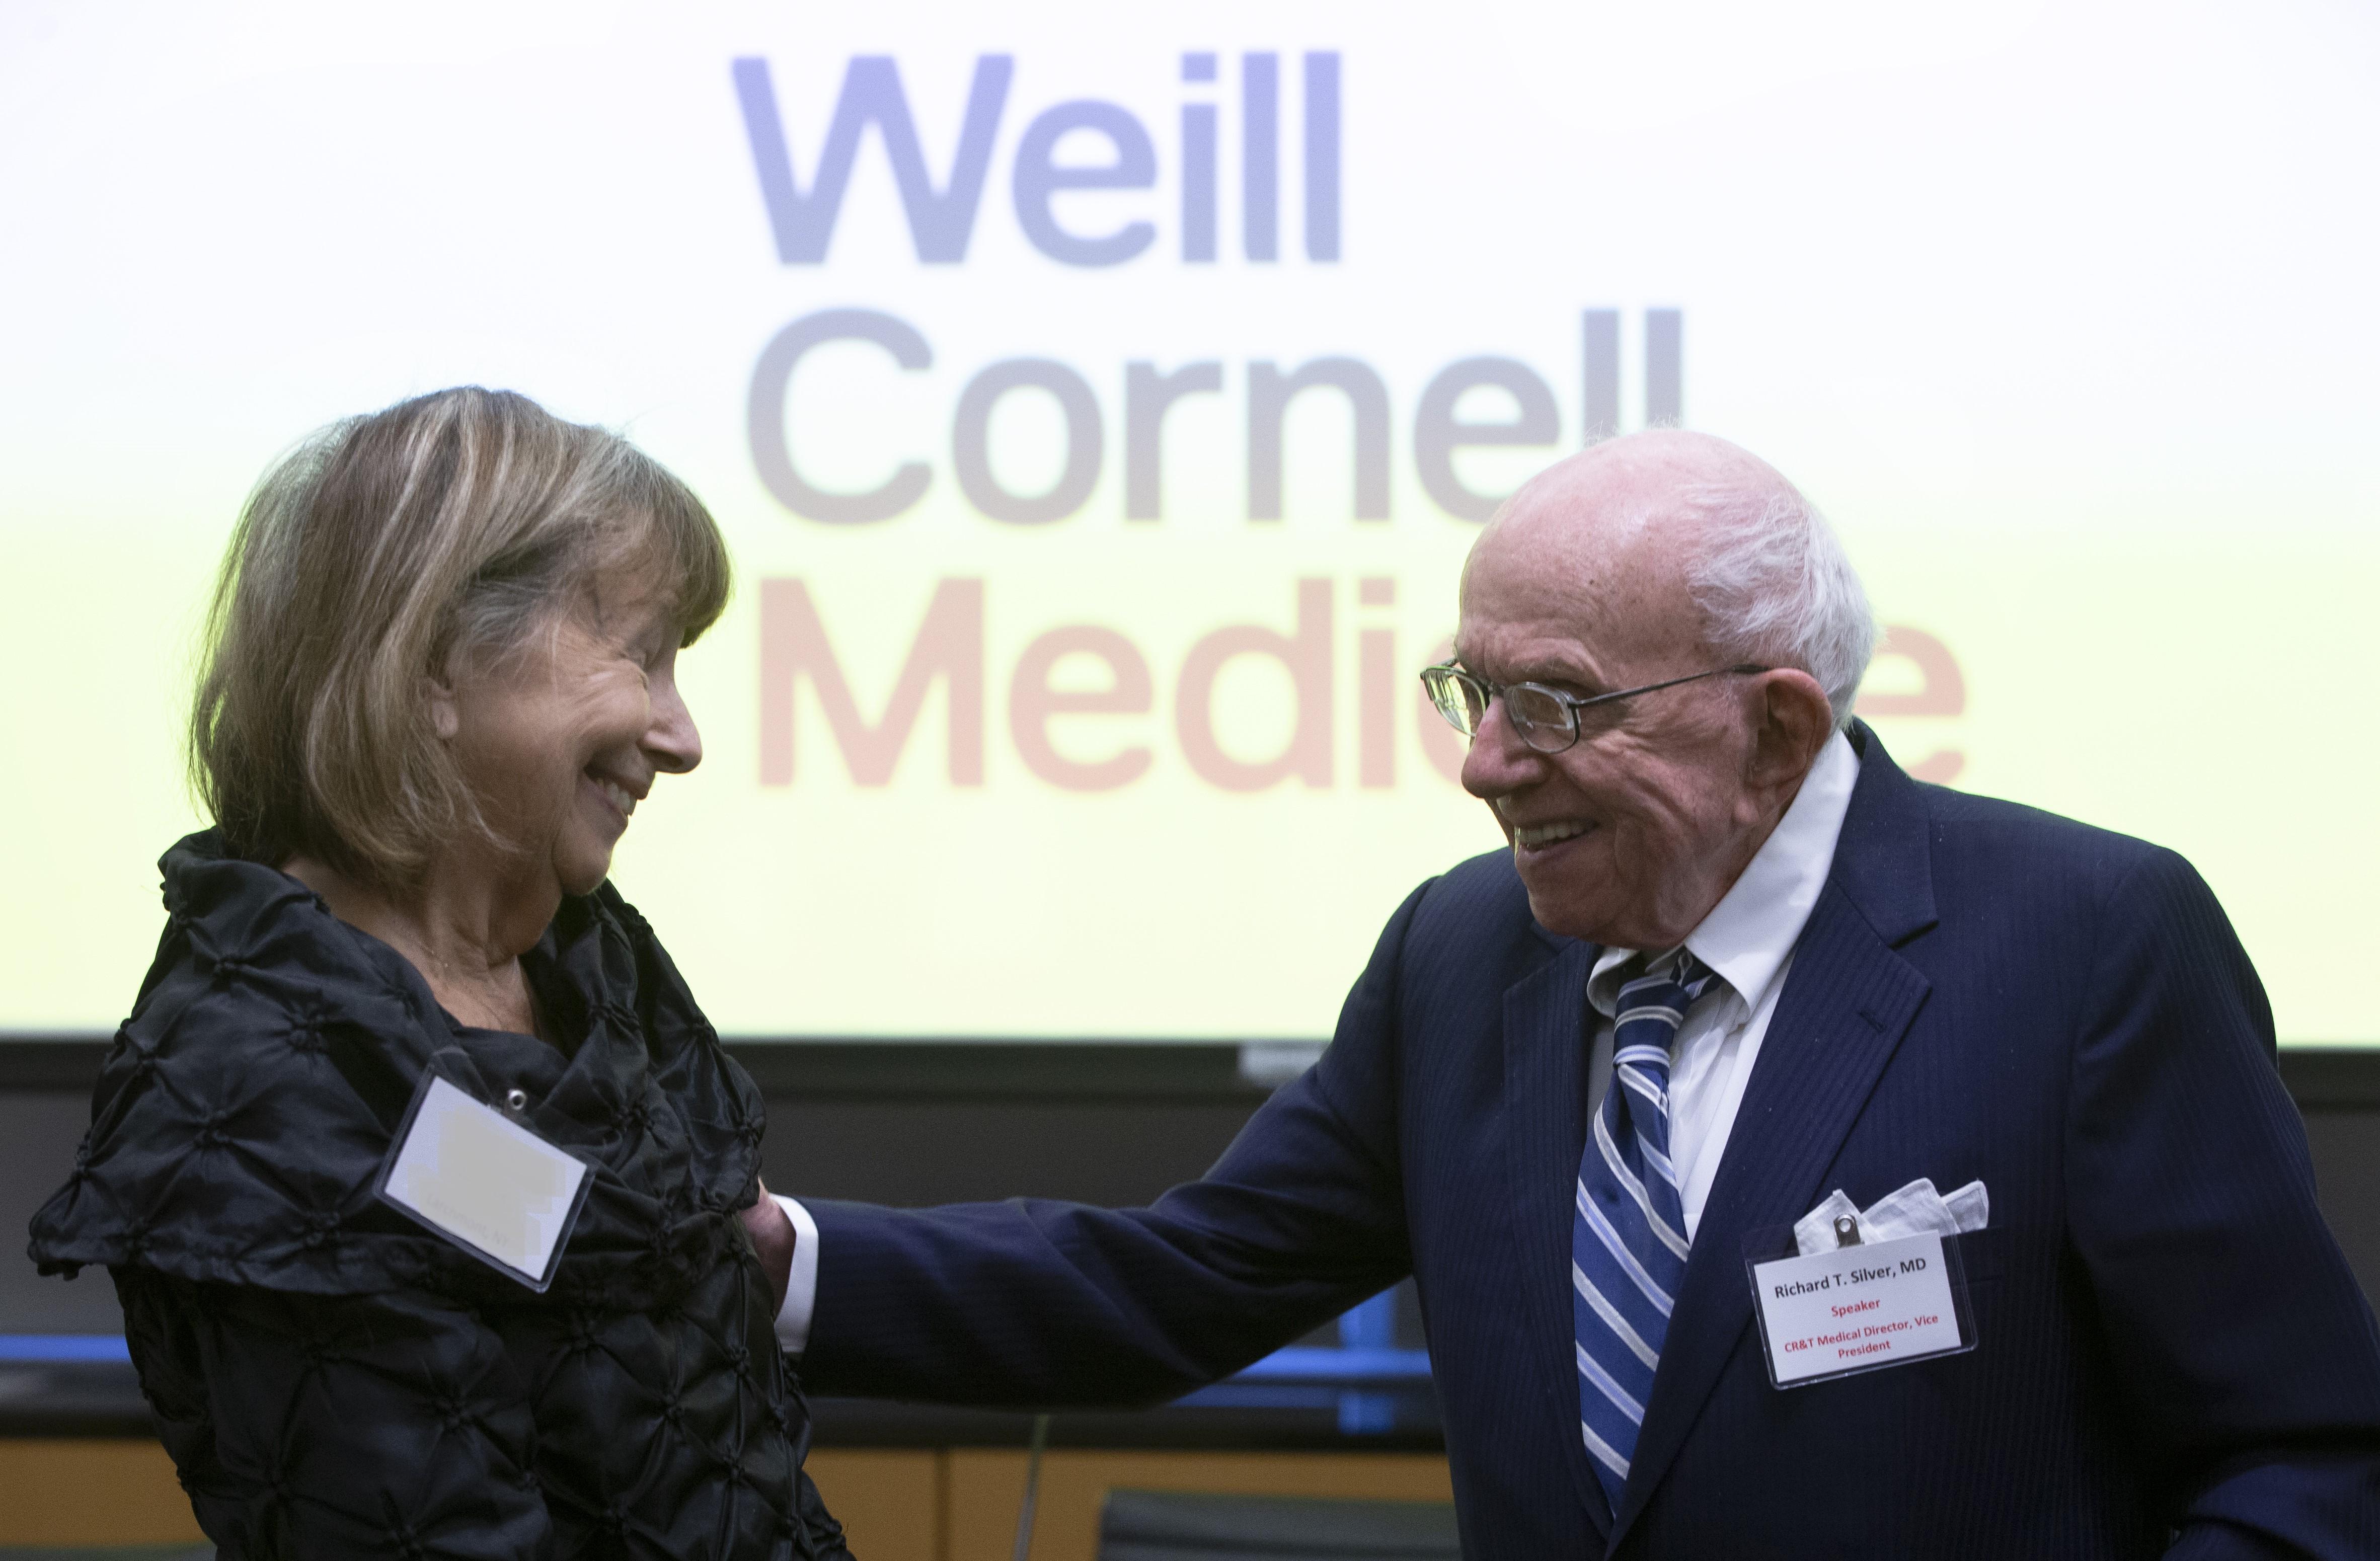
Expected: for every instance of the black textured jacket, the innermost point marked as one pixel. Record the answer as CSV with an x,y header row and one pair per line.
x,y
333,1379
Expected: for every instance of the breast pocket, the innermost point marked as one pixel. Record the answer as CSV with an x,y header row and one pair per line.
x,y
1983,1254
1982,1261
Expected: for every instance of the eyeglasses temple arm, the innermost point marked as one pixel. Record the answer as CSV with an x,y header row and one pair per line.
x,y
1654,687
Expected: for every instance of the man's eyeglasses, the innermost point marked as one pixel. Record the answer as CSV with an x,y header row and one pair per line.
x,y
1546,718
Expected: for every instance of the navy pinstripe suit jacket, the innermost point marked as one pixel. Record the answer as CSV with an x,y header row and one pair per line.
x,y
2170,1338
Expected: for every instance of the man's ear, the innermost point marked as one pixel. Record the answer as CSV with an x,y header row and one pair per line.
x,y
1791,721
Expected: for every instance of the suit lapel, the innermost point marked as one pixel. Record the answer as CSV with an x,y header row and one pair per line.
x,y
1545,1064
1847,1000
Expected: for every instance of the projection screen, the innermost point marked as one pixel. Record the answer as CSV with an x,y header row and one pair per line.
x,y
1100,401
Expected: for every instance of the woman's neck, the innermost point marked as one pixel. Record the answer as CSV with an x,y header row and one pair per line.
x,y
462,927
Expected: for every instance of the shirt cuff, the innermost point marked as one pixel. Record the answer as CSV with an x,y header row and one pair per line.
x,y
801,1286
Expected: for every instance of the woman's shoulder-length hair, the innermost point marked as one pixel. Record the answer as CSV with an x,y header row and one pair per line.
x,y
368,559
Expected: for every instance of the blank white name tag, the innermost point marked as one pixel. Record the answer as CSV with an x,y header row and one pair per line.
x,y
485,1182
1857,1308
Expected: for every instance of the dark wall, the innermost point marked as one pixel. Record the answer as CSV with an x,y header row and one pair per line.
x,y
2339,1094
934,1123
39,1130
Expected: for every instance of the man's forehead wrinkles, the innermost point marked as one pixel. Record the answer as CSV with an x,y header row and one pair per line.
x,y
1536,657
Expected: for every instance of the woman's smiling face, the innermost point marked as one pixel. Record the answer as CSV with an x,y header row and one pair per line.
x,y
559,740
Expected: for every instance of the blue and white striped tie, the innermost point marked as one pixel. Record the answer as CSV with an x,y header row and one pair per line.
x,y
1628,1234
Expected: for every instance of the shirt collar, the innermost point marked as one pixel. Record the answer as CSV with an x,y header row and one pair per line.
x,y
1750,932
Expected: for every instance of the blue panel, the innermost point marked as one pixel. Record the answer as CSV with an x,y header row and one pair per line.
x,y
18,1350
1341,1368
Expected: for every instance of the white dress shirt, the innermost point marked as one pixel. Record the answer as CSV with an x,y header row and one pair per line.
x,y
1748,939
801,1285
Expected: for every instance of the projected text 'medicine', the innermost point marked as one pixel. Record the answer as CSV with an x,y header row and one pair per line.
x,y
1388,708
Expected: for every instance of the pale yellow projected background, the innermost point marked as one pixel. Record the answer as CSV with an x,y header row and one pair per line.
x,y
2063,314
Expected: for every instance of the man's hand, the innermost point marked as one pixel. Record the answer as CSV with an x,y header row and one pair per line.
x,y
773,1238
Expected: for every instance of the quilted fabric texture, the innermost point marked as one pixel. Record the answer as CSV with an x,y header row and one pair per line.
x,y
332,1379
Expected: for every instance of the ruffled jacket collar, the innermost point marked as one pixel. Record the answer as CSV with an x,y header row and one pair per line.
x,y
241,1119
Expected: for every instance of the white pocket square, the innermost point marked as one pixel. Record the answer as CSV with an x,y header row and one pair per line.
x,y
1913,1210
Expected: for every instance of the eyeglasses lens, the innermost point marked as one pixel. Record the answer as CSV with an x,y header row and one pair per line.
x,y
1459,698
1543,721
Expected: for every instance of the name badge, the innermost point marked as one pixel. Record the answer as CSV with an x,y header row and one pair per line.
x,y
1860,1308
485,1182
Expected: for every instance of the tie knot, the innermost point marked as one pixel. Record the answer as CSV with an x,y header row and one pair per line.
x,y
1682,969
1675,978
1650,1008
1679,965
1682,976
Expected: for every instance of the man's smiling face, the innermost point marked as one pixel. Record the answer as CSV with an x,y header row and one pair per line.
x,y
1629,837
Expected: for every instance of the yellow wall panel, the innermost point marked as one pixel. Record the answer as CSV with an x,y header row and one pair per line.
x,y
890,1502
92,1491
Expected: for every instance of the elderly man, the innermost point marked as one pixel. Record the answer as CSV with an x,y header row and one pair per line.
x,y
1815,976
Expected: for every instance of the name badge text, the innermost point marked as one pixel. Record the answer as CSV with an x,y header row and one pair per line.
x,y
1856,1308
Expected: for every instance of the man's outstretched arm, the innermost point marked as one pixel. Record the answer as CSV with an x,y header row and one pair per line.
x,y
1032,1301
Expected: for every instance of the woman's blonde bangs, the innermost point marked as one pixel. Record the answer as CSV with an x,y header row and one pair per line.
x,y
366,560
681,543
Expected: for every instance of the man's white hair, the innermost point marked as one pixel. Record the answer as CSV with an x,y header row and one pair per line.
x,y
1776,587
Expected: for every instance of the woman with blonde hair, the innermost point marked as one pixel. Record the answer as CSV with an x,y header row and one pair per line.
x,y
440,679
